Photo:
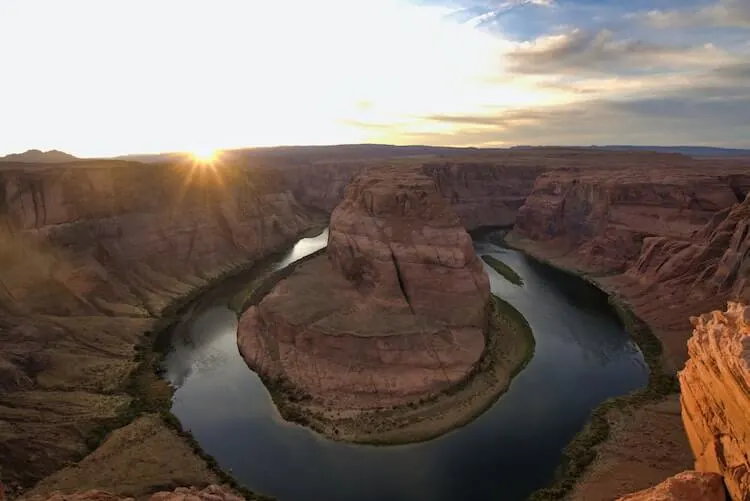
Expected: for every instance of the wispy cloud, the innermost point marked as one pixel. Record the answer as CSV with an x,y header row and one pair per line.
x,y
723,13
581,51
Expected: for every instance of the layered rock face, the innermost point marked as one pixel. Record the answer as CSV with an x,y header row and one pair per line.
x,y
600,217
394,312
90,255
483,191
210,493
488,193
716,396
397,240
686,486
653,236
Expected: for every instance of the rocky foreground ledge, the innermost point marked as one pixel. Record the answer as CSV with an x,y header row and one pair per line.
x,y
716,396
371,342
210,493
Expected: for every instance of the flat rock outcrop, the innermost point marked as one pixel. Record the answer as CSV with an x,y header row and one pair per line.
x,y
396,310
210,493
716,396
686,486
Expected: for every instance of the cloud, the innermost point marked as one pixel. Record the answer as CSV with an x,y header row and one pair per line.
x,y
648,121
723,13
710,108
581,51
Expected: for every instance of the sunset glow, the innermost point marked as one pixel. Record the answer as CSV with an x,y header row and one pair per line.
x,y
205,155
119,76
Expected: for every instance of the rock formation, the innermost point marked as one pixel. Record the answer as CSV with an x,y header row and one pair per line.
x,y
210,493
668,239
716,396
686,486
647,235
91,254
395,311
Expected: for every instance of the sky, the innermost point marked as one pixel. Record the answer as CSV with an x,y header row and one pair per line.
x,y
110,77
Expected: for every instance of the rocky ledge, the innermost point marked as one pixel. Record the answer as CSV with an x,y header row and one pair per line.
x,y
716,396
685,486
210,493
397,313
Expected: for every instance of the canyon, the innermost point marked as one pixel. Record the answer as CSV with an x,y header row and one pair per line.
x,y
96,253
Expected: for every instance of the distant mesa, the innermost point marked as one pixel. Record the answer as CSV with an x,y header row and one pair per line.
x,y
39,156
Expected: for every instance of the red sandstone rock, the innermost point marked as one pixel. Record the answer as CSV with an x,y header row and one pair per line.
x,y
678,234
210,493
686,486
482,192
600,217
90,254
716,396
397,240
395,312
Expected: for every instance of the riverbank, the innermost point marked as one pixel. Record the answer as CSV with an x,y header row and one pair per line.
x,y
145,448
610,457
509,345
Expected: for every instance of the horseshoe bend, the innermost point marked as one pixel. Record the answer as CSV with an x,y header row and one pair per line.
x,y
396,312
395,328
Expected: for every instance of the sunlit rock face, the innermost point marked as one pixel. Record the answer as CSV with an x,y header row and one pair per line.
x,y
716,396
91,253
396,309
685,486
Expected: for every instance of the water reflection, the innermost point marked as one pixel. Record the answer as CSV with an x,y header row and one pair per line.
x,y
583,356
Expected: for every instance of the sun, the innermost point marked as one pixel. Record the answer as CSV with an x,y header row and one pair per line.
x,y
204,155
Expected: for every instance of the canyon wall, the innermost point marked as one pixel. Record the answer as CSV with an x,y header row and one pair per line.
x,y
483,191
653,236
670,241
716,396
91,254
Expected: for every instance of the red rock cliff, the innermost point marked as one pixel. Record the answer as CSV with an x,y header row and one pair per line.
x,y
482,192
90,255
716,396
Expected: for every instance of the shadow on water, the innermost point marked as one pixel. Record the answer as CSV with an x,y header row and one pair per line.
x,y
583,356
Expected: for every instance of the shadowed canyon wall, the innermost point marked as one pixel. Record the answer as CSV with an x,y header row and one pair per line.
x,y
671,235
91,254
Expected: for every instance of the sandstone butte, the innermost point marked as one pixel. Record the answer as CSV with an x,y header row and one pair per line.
x,y
93,252
397,311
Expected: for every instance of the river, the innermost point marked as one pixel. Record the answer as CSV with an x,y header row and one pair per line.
x,y
583,356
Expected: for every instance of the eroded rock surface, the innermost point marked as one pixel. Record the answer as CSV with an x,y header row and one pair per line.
x,y
716,396
91,254
483,190
669,241
685,486
210,493
396,311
